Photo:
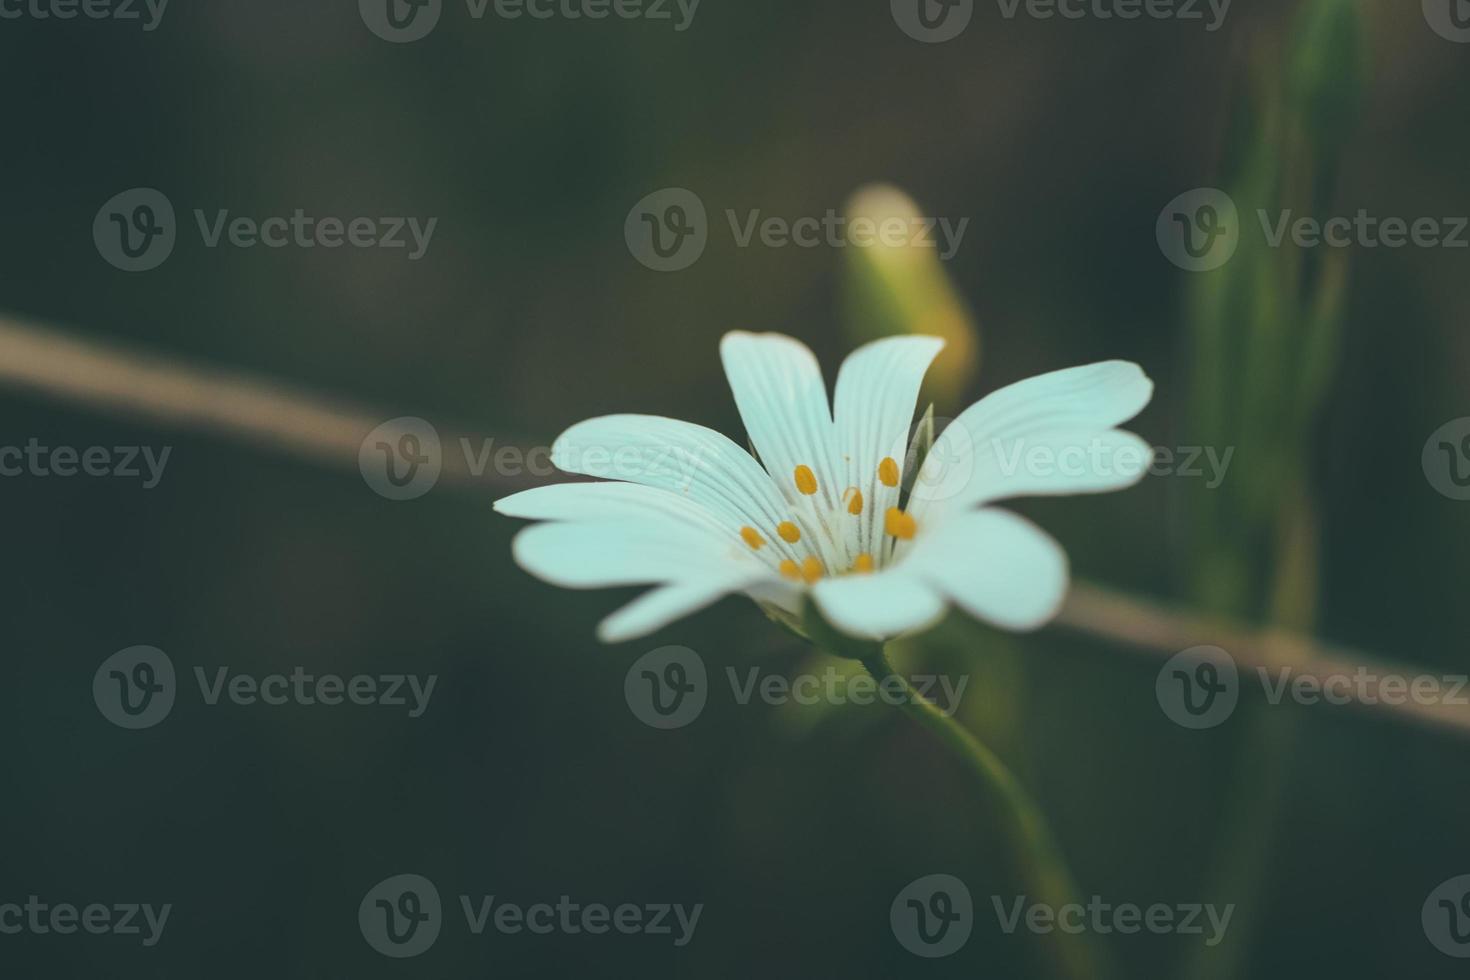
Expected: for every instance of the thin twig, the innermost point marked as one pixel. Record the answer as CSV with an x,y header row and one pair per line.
x,y
279,418
1160,631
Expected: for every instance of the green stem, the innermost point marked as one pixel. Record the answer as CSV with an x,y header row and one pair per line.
x,y
1039,861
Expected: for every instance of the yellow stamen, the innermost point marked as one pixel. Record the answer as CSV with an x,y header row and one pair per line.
x,y
811,569
789,532
854,501
899,524
863,563
790,569
888,472
753,538
806,480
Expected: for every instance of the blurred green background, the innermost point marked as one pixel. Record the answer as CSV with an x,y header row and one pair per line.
x,y
528,777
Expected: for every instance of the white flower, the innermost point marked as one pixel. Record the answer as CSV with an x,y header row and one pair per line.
x,y
696,515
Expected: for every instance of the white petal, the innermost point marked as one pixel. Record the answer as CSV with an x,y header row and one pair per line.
x,y
782,398
997,566
878,606
659,607
877,393
607,502
597,555
1097,396
1047,464
1047,435
690,460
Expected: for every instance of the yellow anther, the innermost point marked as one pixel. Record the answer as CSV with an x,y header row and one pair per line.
x,y
863,563
811,569
888,472
790,569
899,524
752,537
806,480
789,532
854,501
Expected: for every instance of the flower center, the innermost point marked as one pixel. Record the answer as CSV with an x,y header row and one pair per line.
x,y
817,540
